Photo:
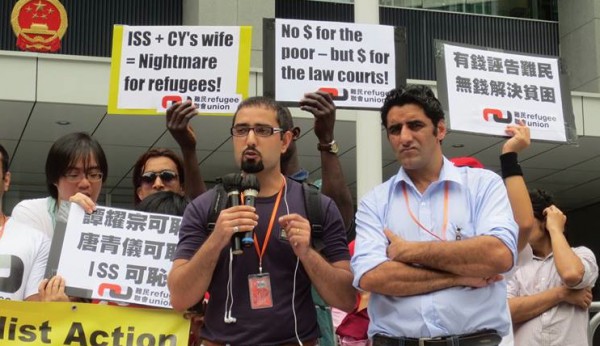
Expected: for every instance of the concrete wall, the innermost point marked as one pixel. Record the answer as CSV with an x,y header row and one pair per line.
x,y
232,12
579,28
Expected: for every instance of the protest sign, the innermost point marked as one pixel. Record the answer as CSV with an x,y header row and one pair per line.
x,y
356,63
61,323
115,254
153,66
484,90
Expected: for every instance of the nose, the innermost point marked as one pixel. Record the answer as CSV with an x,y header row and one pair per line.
x,y
405,135
251,137
84,183
158,184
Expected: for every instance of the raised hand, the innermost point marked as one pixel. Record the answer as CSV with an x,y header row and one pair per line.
x,y
320,104
520,140
178,118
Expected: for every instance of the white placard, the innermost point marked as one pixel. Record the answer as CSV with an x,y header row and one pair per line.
x,y
153,66
488,90
356,63
119,255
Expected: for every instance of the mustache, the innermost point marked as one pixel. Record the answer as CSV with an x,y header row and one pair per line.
x,y
253,150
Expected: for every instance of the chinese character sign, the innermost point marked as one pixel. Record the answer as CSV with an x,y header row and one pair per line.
x,y
121,255
153,66
487,90
355,63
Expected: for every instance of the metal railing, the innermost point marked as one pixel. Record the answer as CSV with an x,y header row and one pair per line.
x,y
594,322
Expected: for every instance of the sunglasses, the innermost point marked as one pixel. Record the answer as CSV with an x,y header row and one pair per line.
x,y
165,176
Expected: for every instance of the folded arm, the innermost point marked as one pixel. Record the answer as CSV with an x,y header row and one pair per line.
x,y
482,256
524,308
399,279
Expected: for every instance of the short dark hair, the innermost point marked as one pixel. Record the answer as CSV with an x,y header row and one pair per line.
x,y
164,202
413,94
5,159
65,152
540,200
284,117
138,168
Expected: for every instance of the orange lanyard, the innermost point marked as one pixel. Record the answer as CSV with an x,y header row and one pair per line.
x,y
261,252
446,197
4,219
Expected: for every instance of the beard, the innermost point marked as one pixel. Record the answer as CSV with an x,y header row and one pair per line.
x,y
252,167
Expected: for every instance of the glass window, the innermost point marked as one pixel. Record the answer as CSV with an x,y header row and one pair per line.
x,y
534,9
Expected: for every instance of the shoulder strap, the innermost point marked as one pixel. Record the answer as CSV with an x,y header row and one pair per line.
x,y
218,203
312,204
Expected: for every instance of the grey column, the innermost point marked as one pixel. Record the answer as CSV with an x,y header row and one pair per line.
x,y
579,28
232,12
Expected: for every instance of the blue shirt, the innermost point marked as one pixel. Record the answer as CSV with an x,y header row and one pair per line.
x,y
478,205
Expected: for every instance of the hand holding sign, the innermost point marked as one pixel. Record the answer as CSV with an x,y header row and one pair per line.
x,y
178,118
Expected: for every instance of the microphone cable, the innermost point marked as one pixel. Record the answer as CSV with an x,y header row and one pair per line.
x,y
228,307
287,208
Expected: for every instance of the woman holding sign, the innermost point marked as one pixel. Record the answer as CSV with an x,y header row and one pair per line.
x,y
76,168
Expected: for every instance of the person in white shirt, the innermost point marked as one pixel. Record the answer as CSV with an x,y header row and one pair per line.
x,y
550,294
76,168
23,250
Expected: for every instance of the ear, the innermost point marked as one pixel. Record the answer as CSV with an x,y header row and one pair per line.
x,y
296,133
442,130
6,182
286,140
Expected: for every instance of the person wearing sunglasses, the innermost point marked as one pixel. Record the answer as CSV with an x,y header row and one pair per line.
x,y
156,170
161,169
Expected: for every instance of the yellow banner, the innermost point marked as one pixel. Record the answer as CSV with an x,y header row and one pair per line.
x,y
80,324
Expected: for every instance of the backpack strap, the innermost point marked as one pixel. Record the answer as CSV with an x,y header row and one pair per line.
x,y
218,203
312,204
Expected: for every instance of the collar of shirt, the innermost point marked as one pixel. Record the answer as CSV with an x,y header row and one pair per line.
x,y
543,259
449,172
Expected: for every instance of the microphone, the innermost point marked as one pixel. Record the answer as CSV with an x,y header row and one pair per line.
x,y
250,187
231,183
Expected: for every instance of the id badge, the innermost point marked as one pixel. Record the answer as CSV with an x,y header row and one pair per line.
x,y
260,291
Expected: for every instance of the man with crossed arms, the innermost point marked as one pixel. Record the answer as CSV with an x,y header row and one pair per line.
x,y
433,240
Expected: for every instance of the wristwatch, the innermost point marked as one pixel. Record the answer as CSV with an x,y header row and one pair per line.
x,y
329,147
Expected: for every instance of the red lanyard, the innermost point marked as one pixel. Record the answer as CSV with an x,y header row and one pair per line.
x,y
261,252
4,220
446,197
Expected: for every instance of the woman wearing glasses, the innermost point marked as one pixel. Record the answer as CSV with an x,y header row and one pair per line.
x,y
76,167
